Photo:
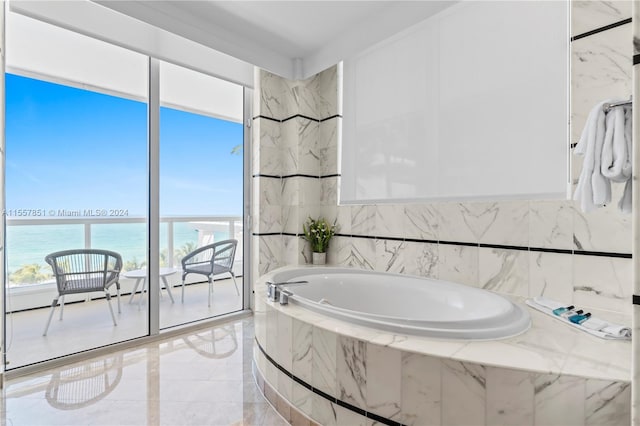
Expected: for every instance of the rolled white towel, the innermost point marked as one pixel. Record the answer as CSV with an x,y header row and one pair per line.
x,y
593,131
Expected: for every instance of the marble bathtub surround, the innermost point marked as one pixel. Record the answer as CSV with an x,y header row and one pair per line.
x,y
413,380
589,15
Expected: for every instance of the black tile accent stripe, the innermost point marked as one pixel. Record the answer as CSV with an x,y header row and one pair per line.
x,y
467,244
636,59
635,299
317,120
296,175
325,395
601,29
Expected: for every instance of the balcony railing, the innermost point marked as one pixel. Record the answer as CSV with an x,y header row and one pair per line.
x,y
209,229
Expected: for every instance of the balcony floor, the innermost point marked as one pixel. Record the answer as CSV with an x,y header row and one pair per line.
x,y
198,378
87,325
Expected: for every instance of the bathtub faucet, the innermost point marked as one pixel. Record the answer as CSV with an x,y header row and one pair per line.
x,y
276,295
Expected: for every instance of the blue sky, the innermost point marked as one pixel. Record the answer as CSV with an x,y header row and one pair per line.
x,y
73,149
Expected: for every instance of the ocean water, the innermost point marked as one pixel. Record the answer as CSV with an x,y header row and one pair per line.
x,y
29,244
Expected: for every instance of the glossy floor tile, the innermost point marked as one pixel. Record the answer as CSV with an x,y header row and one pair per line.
x,y
199,378
88,325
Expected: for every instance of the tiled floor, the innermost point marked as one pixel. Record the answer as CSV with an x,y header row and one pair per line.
x,y
199,378
87,325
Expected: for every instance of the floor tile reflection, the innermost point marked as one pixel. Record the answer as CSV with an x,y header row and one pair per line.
x,y
201,378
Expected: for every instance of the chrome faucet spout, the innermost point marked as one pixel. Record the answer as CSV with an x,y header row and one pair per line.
x,y
274,293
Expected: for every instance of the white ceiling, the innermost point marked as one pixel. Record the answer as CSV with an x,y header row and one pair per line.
x,y
294,39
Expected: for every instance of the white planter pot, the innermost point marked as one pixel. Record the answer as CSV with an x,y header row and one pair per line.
x,y
319,258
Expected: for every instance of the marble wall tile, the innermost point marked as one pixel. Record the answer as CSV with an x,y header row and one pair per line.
x,y
587,15
360,253
285,386
421,389
348,417
551,276
276,100
270,251
465,222
270,219
559,400
458,264
421,259
271,133
390,256
605,229
602,282
340,250
328,137
309,155
551,224
389,220
270,161
343,218
291,219
270,191
302,350
302,399
607,403
510,225
351,373
325,84
509,397
271,342
384,388
329,191
323,360
600,69
504,271
421,222
285,340
310,191
323,411
291,191
363,220
463,382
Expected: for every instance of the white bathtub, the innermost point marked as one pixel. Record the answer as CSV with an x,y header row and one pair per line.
x,y
405,304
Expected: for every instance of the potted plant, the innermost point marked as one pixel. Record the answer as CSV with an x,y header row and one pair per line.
x,y
318,233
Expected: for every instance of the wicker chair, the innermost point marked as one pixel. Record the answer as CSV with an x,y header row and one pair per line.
x,y
210,260
84,271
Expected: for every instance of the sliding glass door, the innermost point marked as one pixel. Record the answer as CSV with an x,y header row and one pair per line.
x,y
76,180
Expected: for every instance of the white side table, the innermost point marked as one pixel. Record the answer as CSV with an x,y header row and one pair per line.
x,y
140,275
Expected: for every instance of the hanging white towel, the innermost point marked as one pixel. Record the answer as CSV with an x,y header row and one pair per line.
x,y
606,145
594,131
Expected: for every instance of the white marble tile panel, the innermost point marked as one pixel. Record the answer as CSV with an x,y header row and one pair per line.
x,y
588,15
270,191
310,191
421,222
551,224
323,359
329,191
285,385
291,191
551,276
285,341
270,250
351,373
341,248
559,400
607,403
421,259
271,346
605,229
509,397
363,219
309,156
302,399
291,220
323,411
463,382
384,381
390,256
458,264
421,389
270,161
329,161
361,253
504,271
275,97
271,133
600,69
302,352
348,417
465,222
270,219
325,86
598,358
389,220
329,132
602,282
510,226
343,217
